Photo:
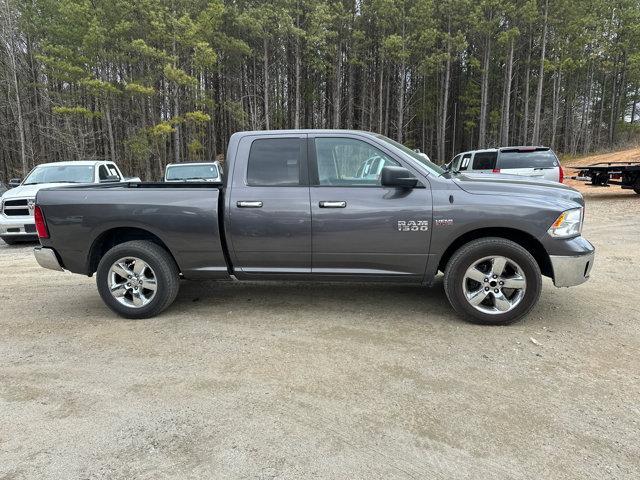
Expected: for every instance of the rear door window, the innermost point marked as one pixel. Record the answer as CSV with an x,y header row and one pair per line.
x,y
519,159
275,162
485,160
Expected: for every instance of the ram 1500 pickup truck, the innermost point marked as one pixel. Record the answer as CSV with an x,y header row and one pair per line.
x,y
324,205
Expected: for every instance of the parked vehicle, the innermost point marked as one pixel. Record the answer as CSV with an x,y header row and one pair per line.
x,y
536,162
193,172
16,209
603,174
298,205
15,182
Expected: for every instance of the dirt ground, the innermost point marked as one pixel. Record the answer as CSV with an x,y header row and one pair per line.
x,y
289,381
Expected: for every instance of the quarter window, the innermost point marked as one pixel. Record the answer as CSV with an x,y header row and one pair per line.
x,y
465,162
349,162
113,171
275,162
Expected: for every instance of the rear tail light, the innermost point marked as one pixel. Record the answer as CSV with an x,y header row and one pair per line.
x,y
496,170
561,179
41,224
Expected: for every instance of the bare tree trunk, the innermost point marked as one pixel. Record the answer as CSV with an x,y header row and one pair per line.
x,y
296,115
176,130
387,101
363,96
526,88
350,99
506,96
445,103
338,87
601,113
484,95
9,35
535,136
612,110
557,83
401,83
400,93
634,104
622,94
265,59
380,90
112,143
586,145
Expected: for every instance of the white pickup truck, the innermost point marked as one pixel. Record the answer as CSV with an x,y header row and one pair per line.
x,y
16,209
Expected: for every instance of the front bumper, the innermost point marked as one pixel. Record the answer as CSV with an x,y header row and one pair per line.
x,y
569,271
18,226
47,258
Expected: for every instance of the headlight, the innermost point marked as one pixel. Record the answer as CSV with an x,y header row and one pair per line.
x,y
568,224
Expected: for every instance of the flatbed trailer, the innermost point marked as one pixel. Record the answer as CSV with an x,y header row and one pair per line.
x,y
603,174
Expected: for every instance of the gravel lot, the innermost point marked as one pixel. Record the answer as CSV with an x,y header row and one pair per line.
x,y
324,381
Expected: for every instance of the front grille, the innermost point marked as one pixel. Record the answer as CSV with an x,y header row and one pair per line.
x,y
15,208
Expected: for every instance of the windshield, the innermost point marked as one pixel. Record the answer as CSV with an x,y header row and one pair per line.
x,y
432,167
192,172
60,174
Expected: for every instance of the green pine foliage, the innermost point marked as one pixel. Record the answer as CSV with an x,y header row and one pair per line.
x,y
147,82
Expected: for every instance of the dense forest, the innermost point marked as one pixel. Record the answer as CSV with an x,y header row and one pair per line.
x,y
148,82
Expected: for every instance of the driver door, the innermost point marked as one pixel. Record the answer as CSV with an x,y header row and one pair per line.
x,y
359,227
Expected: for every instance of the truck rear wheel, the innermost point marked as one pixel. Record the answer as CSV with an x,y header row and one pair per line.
x,y
137,279
492,281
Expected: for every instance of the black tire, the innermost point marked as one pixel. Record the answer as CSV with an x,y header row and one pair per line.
x,y
166,276
476,250
12,240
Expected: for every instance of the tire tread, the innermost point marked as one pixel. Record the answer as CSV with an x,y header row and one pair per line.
x,y
467,249
168,270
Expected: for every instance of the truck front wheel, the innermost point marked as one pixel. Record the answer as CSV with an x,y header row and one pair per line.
x,y
137,279
492,281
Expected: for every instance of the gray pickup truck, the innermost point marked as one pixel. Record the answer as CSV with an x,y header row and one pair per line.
x,y
321,205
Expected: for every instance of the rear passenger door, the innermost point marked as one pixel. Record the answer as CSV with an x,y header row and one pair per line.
x,y
269,223
360,228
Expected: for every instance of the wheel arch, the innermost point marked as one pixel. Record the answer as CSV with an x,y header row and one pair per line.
x,y
520,237
115,236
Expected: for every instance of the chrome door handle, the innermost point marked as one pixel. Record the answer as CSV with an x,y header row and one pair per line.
x,y
333,204
249,204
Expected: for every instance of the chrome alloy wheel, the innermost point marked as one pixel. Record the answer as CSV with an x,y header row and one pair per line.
x,y
132,282
494,285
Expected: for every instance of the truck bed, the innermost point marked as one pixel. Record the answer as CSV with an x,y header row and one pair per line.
x,y
184,217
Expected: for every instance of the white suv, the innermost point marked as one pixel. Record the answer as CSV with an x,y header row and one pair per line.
x,y
536,162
